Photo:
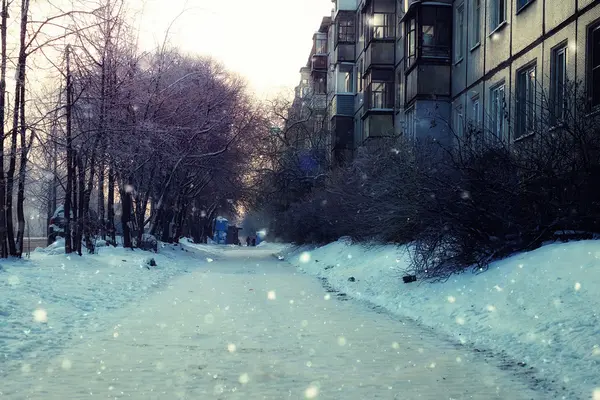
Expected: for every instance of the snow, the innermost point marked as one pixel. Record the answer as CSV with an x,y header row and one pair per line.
x,y
245,326
52,298
538,309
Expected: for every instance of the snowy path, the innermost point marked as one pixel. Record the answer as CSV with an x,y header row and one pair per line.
x,y
247,326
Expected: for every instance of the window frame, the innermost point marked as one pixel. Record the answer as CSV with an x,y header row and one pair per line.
x,y
497,112
440,20
526,100
476,111
498,14
593,29
459,121
349,81
385,96
520,7
387,28
557,111
321,43
476,21
346,34
399,89
411,35
459,33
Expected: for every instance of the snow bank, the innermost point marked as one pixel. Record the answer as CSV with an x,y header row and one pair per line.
x,y
541,308
52,297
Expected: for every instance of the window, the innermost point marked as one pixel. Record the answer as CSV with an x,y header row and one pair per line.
x,y
436,32
526,98
497,106
459,41
320,86
321,45
359,73
558,83
361,26
522,3
346,31
459,124
382,26
476,113
594,67
348,82
498,11
380,89
476,20
411,41
410,123
399,89
380,95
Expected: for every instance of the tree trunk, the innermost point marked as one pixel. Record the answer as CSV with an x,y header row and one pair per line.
x,y
3,35
126,202
70,172
81,203
21,184
19,93
110,205
101,220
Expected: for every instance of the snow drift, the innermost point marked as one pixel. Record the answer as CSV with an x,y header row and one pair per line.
x,y
540,309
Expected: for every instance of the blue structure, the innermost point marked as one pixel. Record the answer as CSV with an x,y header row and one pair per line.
x,y
220,231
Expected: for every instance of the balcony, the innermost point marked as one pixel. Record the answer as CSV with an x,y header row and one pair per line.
x,y
319,62
379,96
379,54
345,52
342,104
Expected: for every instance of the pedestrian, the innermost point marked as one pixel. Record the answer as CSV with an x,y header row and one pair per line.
x,y
248,241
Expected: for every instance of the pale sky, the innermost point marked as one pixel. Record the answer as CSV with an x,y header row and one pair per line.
x,y
267,41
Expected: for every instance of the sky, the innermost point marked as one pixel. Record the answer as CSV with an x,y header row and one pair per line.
x,y
266,41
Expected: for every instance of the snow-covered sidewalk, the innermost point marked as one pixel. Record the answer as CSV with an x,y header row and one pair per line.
x,y
247,326
52,298
538,310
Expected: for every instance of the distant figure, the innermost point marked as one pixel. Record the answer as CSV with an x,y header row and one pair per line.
x,y
253,242
248,241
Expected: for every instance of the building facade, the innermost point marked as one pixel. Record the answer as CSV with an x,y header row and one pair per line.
x,y
435,69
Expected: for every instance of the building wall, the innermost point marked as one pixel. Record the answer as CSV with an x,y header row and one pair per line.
x,y
529,35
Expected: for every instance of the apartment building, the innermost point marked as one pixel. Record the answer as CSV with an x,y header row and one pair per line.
x,y
428,69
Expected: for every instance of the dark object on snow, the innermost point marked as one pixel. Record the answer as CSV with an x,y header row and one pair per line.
x,y
351,279
151,262
248,241
253,241
409,278
233,234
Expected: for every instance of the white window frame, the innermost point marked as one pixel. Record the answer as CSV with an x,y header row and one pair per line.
x,y
476,21
459,121
476,111
498,14
497,108
559,110
526,101
460,35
